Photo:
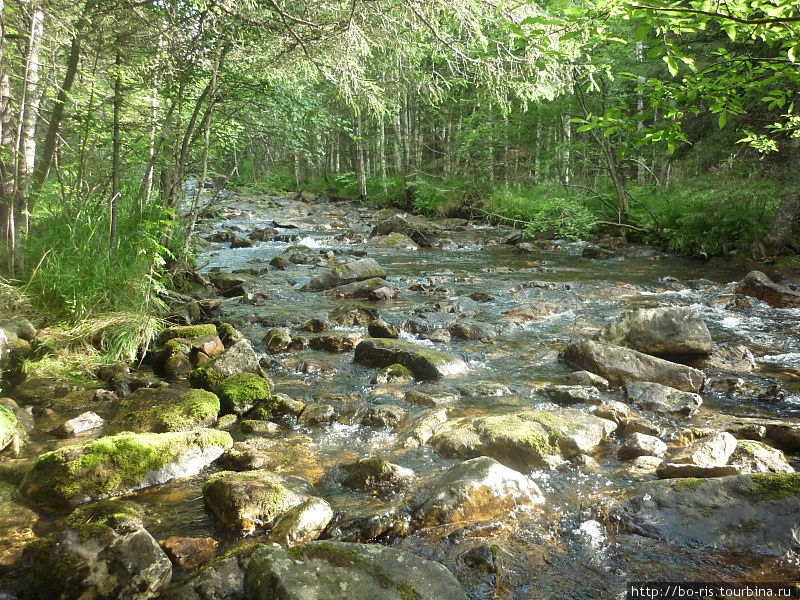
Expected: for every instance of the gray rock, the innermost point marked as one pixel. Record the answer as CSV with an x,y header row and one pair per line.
x,y
422,428
662,331
302,524
366,288
754,514
485,389
431,399
385,416
662,399
239,358
381,329
357,270
250,500
756,457
395,241
476,490
82,423
639,444
621,365
758,285
425,363
573,394
317,414
345,571
422,232
277,339
706,457
472,330
538,438
587,378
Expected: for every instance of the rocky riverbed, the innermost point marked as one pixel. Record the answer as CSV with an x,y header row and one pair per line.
x,y
415,408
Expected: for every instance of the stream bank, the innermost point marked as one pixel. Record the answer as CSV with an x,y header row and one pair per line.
x,y
485,451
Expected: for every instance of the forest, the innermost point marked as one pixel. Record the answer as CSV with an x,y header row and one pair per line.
x,y
497,192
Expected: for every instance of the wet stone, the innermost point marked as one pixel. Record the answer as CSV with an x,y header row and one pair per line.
x,y
662,399
87,421
707,457
189,553
639,444
385,416
377,476
302,524
573,394
317,414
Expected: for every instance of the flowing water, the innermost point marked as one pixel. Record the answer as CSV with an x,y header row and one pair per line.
x,y
537,302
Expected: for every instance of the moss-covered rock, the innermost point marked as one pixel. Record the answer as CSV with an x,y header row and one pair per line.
x,y
206,378
377,476
188,332
8,426
423,362
240,393
103,552
246,501
302,524
393,374
344,571
115,465
162,410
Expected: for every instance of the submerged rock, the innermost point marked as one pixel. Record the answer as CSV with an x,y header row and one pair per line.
x,y
116,465
377,476
244,502
758,285
346,571
621,365
426,364
103,553
190,553
754,514
476,490
84,422
663,331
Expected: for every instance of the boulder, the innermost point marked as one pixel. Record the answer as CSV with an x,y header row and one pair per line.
x,y
375,288
302,524
240,393
117,465
396,374
277,339
395,241
573,394
706,457
420,231
84,422
752,456
356,270
532,438
753,514
426,364
385,416
103,552
422,428
662,399
377,476
758,285
239,358
381,329
189,553
476,490
586,378
160,410
431,399
345,571
250,500
336,342
666,330
317,414
620,365
640,444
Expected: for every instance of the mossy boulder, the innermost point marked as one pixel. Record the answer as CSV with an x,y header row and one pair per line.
x,y
246,501
754,514
277,339
9,426
103,552
476,490
161,410
356,270
666,330
206,378
753,456
533,438
345,571
188,332
394,241
393,374
424,363
115,465
239,393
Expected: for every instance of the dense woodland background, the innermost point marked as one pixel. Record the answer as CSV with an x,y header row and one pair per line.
x,y
672,123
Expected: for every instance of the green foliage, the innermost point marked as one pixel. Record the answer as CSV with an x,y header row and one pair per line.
x,y
544,209
708,216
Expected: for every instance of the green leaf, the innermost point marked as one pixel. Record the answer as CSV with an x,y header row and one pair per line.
x,y
794,53
723,118
672,64
641,32
730,29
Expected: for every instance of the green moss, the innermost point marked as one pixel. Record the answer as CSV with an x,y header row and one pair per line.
x,y
165,410
747,447
108,512
240,392
775,486
406,592
241,500
110,465
8,425
188,332
206,378
687,484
